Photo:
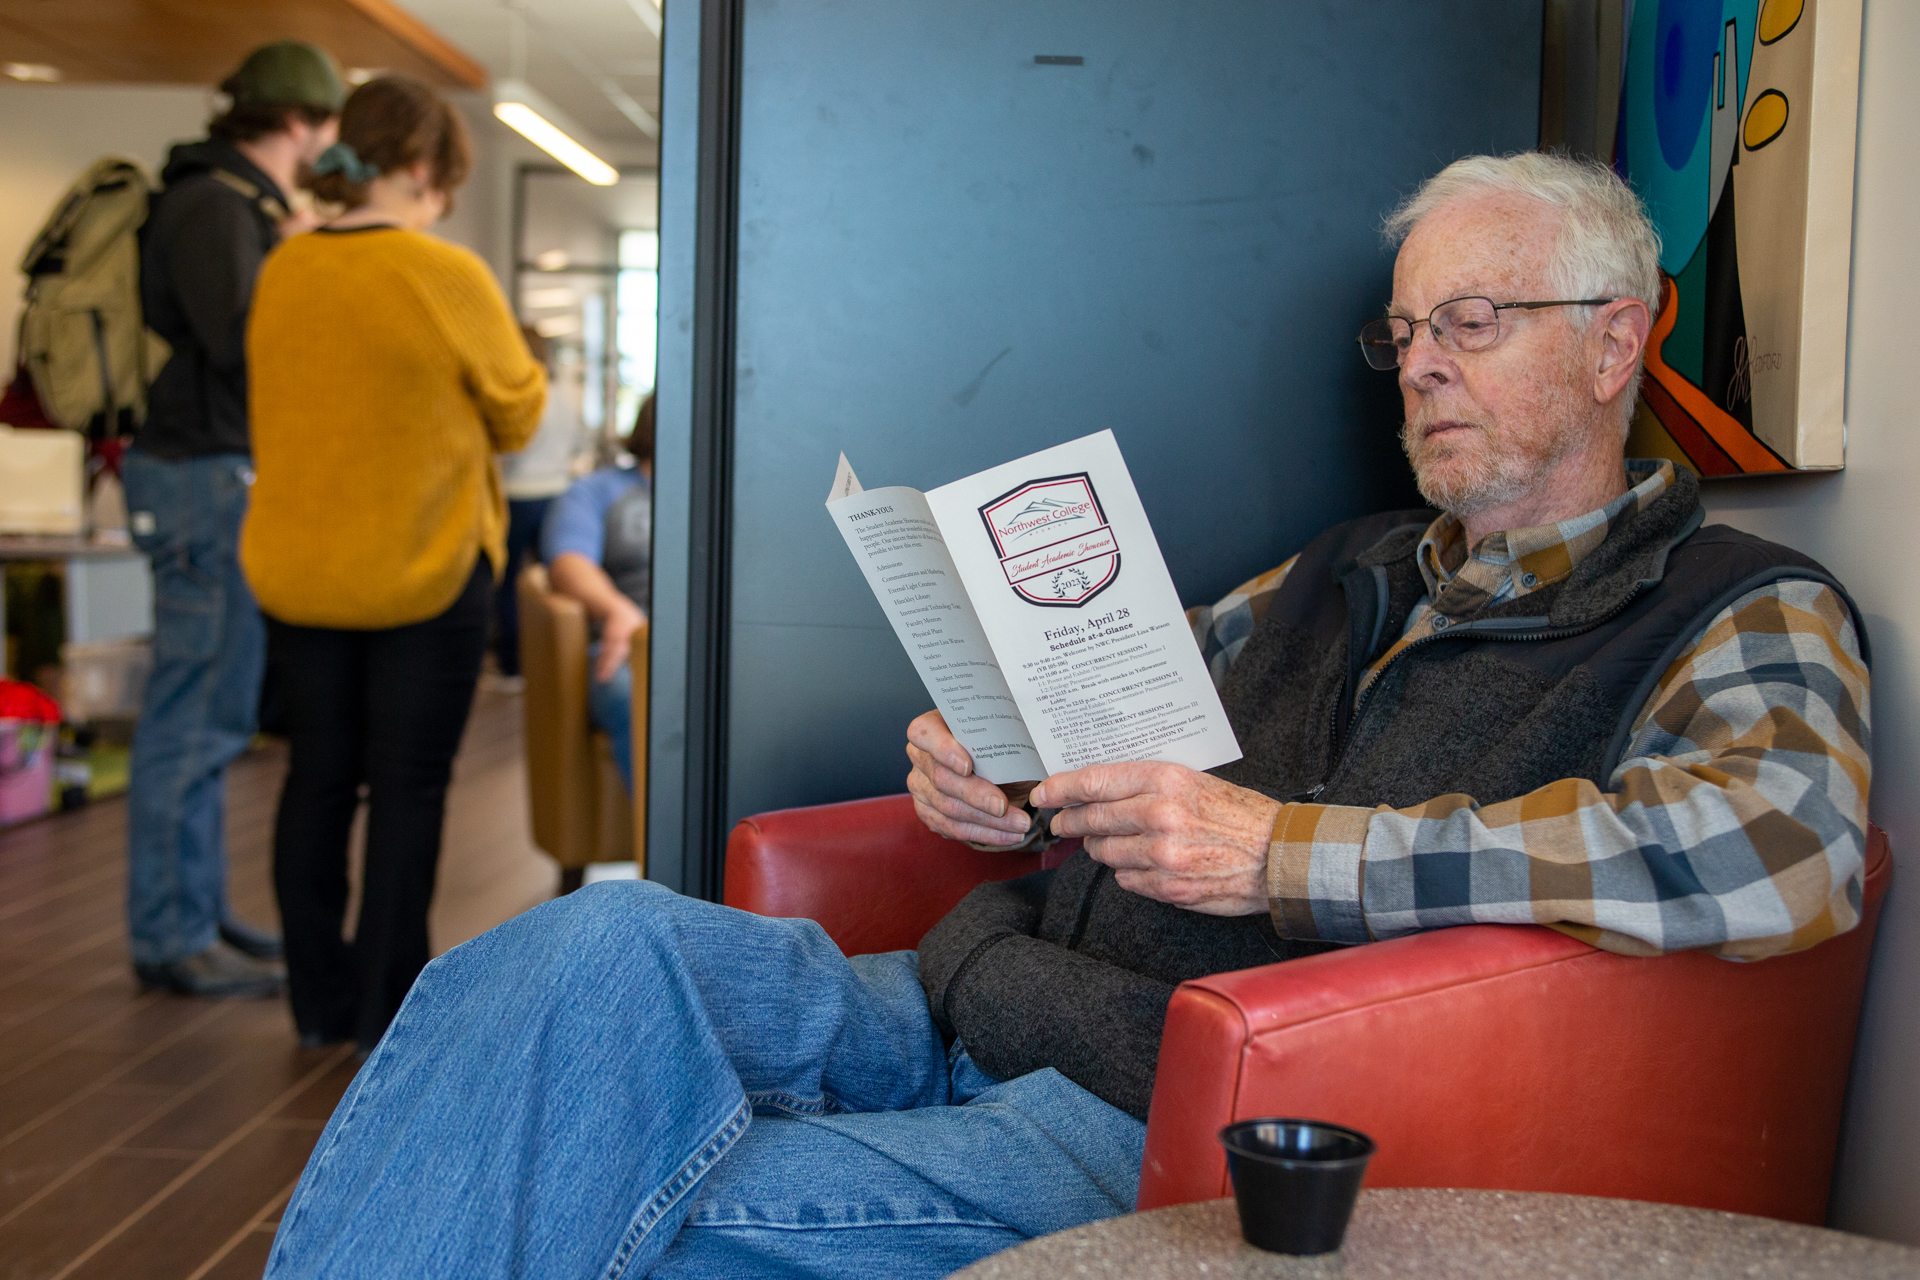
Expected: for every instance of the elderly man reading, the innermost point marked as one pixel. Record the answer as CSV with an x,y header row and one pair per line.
x,y
1559,700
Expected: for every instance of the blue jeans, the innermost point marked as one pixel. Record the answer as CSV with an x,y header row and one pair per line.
x,y
209,649
626,1082
610,707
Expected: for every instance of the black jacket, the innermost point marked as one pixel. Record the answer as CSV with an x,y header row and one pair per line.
x,y
201,251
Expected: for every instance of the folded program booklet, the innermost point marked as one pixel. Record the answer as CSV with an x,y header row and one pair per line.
x,y
1034,603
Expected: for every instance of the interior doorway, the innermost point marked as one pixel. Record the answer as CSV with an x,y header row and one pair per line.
x,y
586,277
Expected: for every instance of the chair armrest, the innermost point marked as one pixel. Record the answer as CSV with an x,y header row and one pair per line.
x,y
867,870
1226,1041
562,790
1514,1057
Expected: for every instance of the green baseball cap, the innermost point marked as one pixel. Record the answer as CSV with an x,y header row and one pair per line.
x,y
289,73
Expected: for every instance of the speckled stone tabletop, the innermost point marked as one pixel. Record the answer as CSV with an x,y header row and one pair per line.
x,y
1472,1235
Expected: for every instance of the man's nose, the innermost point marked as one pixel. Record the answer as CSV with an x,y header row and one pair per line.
x,y
1425,364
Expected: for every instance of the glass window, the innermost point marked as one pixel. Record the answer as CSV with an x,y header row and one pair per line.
x,y
587,272
636,315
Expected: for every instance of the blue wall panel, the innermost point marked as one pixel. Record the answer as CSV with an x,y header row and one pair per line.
x,y
950,255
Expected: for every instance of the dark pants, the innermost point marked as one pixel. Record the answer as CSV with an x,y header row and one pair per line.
x,y
385,709
524,516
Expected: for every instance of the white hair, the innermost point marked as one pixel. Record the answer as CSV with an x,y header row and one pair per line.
x,y
1607,246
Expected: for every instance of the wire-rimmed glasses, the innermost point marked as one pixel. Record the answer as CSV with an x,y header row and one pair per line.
x,y
1458,324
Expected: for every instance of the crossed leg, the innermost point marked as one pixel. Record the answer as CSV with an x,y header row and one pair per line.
x,y
562,1094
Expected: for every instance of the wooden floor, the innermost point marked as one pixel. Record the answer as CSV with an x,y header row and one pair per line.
x,y
151,1137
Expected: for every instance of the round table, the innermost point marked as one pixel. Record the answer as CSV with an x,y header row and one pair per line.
x,y
1473,1235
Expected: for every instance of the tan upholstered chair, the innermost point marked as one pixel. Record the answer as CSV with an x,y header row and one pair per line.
x,y
580,808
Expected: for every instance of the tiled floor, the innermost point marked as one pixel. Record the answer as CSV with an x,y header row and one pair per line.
x,y
148,1137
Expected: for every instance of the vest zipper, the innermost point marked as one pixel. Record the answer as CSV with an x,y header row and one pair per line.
x,y
1333,744
1549,633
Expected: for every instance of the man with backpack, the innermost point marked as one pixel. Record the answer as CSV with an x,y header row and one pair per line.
x,y
223,208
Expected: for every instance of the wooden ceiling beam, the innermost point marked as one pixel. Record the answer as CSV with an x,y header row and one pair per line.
x,y
22,43
409,30
199,42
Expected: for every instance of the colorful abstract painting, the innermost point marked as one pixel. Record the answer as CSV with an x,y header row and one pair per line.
x,y
1737,128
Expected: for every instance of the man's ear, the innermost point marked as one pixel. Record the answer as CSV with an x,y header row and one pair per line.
x,y
1622,329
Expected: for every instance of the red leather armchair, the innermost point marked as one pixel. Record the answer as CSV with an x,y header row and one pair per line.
x,y
1491,1056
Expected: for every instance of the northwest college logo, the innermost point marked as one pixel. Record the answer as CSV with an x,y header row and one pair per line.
x,y
1054,541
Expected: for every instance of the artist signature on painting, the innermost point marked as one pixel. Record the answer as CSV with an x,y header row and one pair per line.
x,y
1740,386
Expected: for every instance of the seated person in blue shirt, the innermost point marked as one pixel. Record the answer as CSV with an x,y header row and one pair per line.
x,y
598,545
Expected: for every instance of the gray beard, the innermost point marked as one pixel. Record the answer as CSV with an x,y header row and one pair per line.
x,y
1491,482
1495,478
1488,484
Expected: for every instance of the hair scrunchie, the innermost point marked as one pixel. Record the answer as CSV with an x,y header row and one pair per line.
x,y
345,161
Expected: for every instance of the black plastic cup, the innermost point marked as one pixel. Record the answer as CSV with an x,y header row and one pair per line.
x,y
1295,1181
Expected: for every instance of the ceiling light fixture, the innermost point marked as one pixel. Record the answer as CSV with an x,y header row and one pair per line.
x,y
521,109
38,72
518,18
649,12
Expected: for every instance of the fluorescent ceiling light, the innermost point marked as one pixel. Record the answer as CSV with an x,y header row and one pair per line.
x,y
534,118
33,71
542,133
649,12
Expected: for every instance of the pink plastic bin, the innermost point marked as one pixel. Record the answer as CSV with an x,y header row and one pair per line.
x,y
26,769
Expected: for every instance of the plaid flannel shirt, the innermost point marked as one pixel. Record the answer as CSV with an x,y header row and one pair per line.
x,y
1735,822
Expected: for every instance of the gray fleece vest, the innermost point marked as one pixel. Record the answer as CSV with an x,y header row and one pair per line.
x,y
1522,694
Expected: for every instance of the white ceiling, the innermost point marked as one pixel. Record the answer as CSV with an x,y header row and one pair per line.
x,y
576,51
556,200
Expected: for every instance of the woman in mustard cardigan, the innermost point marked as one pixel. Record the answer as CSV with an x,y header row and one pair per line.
x,y
386,372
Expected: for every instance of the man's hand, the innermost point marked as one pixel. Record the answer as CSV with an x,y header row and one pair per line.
x,y
572,574
616,637
1169,833
950,799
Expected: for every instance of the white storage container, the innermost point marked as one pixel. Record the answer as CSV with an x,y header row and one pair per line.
x,y
42,481
104,679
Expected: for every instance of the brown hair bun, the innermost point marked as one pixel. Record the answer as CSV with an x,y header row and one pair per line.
x,y
395,122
